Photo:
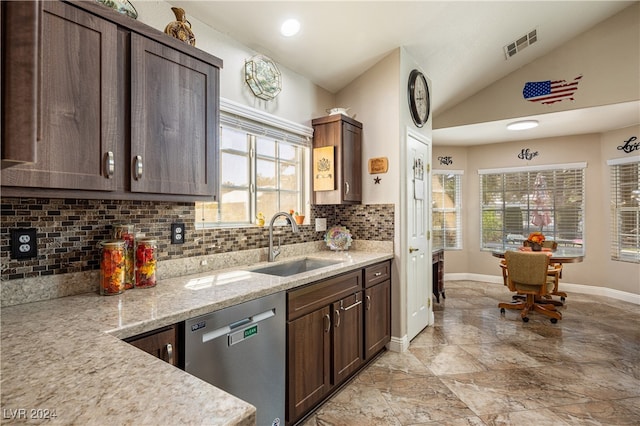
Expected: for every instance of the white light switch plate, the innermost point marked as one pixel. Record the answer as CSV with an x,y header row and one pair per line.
x,y
321,224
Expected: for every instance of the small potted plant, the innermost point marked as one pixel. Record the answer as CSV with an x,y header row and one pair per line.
x,y
299,218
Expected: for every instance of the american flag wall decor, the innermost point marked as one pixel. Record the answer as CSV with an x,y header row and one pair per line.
x,y
549,92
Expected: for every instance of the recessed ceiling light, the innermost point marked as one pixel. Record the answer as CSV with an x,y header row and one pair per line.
x,y
522,125
290,27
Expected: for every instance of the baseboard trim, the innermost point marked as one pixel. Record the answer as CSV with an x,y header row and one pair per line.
x,y
398,344
577,288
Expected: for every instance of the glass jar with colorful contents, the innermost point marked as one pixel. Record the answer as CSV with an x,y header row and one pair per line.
x,y
146,251
126,233
111,267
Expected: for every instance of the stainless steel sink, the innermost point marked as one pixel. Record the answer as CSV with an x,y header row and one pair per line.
x,y
293,267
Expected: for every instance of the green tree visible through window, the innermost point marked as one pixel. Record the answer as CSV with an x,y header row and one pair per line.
x,y
516,203
257,174
446,193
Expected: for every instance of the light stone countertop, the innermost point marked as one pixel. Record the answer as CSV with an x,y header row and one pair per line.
x,y
65,355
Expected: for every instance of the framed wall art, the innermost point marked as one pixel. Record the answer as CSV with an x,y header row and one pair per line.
x,y
324,169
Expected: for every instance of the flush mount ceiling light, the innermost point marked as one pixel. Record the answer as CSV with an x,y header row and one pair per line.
x,y
290,27
522,125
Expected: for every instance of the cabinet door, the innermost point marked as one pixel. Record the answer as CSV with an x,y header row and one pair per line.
x,y
377,315
19,67
308,363
160,343
76,100
347,337
351,163
174,121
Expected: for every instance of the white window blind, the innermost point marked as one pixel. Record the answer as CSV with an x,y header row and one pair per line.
x,y
446,193
263,163
625,209
517,202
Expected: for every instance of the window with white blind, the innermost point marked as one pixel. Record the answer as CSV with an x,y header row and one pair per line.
x,y
625,209
521,200
263,168
446,194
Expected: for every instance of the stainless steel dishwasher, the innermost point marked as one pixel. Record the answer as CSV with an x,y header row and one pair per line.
x,y
241,349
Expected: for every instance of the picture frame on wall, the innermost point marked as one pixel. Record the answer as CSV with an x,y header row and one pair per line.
x,y
324,169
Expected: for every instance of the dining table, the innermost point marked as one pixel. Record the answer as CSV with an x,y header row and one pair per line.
x,y
559,255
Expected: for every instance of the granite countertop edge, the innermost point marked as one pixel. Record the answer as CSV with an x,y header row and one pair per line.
x,y
66,355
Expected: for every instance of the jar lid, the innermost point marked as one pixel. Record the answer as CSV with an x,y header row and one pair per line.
x,y
112,243
147,240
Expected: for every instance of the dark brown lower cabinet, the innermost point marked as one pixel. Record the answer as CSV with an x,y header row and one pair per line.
x,y
161,343
308,350
377,314
333,328
347,337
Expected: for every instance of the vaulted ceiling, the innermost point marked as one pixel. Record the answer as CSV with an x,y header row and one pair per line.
x,y
459,43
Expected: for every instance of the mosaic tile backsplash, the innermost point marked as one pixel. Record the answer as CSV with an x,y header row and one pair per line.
x,y
68,231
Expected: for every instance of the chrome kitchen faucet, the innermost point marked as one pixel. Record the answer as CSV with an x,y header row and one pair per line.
x,y
273,253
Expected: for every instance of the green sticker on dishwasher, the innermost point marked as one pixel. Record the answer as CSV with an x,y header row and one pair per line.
x,y
248,332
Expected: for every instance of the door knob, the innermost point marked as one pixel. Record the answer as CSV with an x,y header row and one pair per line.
x,y
411,249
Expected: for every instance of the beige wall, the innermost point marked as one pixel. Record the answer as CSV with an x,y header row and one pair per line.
x,y
300,99
380,124
595,149
607,56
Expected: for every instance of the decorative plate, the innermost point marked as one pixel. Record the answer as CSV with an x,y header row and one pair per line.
x,y
263,77
338,238
334,111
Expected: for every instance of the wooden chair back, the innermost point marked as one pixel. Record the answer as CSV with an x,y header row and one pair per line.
x,y
526,269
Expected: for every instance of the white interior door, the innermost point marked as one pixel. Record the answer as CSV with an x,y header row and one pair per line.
x,y
418,250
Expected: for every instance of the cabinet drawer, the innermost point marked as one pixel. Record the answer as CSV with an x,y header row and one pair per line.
x,y
377,273
307,299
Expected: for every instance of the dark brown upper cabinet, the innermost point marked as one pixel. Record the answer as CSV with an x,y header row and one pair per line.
x,y
344,134
117,109
76,104
174,104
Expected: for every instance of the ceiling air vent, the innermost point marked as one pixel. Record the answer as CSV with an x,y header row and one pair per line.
x,y
522,42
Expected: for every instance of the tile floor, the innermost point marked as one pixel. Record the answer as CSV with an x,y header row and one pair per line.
x,y
474,367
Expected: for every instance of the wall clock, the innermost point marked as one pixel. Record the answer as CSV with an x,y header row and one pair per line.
x,y
419,99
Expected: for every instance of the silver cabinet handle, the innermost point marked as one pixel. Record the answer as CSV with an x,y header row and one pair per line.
x,y
337,318
110,166
169,348
137,174
328,318
368,302
357,302
377,274
346,188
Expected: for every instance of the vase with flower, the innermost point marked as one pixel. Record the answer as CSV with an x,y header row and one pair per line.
x,y
535,241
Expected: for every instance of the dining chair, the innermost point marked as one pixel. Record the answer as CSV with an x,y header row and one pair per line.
x,y
555,271
527,275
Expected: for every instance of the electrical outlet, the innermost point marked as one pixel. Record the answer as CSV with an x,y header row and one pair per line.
x,y
321,224
177,233
24,243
